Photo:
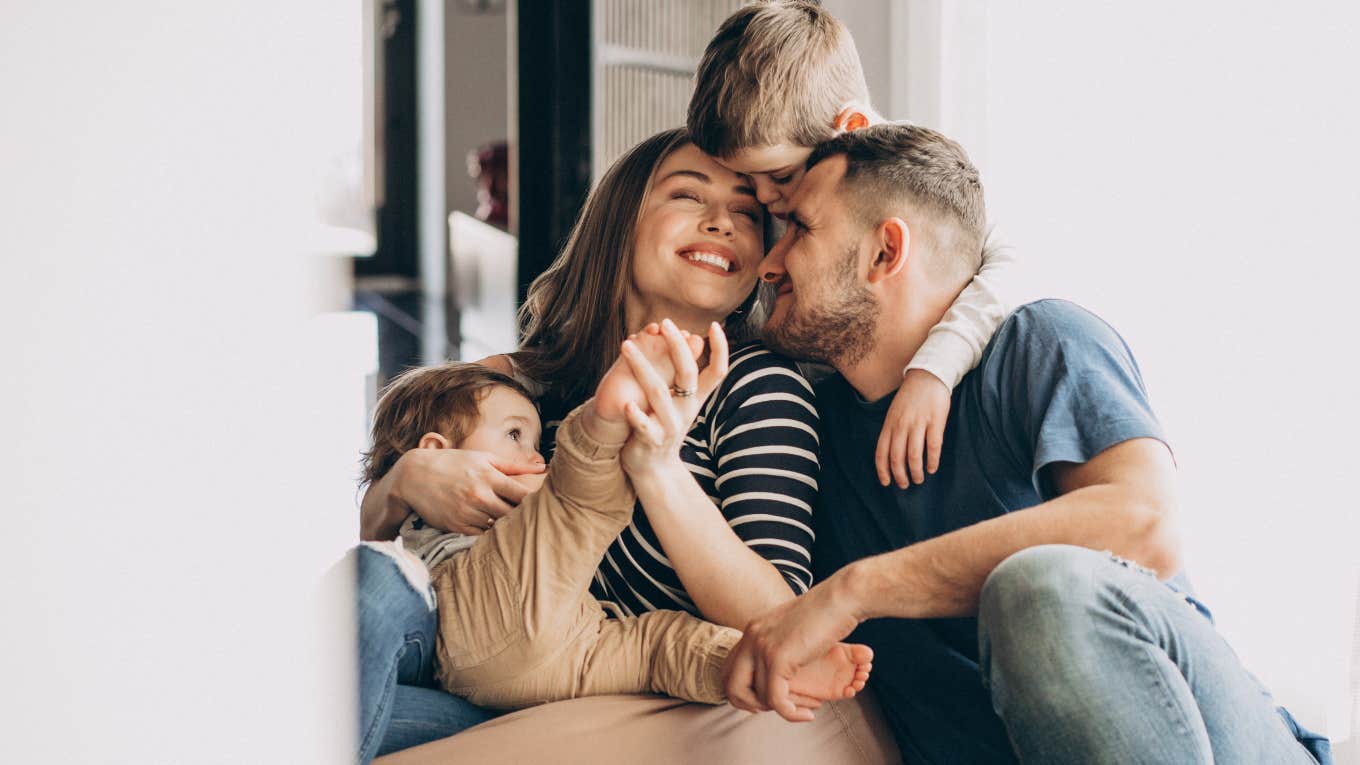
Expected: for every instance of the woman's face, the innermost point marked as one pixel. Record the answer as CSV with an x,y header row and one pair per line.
x,y
699,239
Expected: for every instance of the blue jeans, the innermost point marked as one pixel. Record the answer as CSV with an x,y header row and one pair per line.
x,y
400,705
1091,660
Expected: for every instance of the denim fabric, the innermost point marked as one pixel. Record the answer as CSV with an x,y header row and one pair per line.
x,y
399,705
1091,660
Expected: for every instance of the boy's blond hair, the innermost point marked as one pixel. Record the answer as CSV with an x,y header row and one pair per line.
x,y
776,72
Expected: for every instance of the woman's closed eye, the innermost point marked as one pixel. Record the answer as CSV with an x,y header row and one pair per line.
x,y
780,180
749,211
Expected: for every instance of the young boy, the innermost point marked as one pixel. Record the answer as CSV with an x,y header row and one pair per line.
x,y
516,624
778,78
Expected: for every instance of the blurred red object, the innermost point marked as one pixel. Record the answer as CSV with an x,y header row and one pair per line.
x,y
489,165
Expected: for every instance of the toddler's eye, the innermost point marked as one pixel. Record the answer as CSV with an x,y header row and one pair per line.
x,y
514,434
781,180
749,212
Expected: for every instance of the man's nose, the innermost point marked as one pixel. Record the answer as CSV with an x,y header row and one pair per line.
x,y
772,265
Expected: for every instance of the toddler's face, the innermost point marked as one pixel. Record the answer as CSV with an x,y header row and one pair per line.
x,y
507,426
774,170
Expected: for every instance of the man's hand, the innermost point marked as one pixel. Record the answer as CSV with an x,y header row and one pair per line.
x,y
913,432
776,644
462,491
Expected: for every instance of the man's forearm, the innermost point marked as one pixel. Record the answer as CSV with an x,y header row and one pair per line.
x,y
943,577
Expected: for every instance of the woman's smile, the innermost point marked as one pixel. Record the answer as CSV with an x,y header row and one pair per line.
x,y
711,257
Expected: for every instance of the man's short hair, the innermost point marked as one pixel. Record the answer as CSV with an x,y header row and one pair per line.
x,y
776,72
444,399
894,167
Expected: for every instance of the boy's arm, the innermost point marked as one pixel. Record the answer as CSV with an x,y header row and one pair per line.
x,y
955,345
913,432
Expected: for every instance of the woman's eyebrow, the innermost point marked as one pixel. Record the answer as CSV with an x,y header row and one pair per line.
x,y
691,173
740,188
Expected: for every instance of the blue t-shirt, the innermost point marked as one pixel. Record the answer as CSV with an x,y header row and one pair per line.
x,y
1056,384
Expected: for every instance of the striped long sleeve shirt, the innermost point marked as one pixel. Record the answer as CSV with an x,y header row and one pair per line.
x,y
754,451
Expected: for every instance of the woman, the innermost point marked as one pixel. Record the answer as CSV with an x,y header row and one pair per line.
x,y
668,233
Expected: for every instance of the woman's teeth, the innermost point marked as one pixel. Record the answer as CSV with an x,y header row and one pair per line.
x,y
710,258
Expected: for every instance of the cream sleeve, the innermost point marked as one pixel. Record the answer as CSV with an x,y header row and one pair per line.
x,y
954,346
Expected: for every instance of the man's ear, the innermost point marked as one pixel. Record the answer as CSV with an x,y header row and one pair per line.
x,y
852,117
434,440
892,238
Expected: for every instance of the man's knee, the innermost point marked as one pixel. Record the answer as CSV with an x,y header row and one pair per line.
x,y
1045,581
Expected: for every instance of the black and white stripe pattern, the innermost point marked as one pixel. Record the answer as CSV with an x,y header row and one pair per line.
x,y
753,450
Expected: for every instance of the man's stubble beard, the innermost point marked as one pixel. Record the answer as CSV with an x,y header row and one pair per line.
x,y
839,332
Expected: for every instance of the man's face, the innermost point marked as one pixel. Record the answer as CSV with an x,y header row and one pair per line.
x,y
823,308
776,172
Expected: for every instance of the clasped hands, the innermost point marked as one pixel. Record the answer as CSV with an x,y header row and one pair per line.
x,y
653,392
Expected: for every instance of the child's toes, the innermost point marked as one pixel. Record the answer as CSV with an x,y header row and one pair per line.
x,y
860,654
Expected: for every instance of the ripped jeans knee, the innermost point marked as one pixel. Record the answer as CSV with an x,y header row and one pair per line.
x,y
378,561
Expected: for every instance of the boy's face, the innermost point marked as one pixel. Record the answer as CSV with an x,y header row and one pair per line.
x,y
775,171
507,426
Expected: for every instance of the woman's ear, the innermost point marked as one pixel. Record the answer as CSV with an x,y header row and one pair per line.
x,y
893,240
434,441
851,117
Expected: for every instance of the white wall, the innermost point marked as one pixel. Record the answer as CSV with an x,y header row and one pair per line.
x,y
867,21
170,496
1189,171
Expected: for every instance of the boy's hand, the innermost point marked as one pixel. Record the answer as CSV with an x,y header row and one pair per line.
x,y
913,432
661,421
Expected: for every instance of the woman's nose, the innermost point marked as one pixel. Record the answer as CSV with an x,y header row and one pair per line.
x,y
719,222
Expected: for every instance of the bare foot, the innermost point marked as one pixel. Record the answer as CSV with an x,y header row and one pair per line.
x,y
840,674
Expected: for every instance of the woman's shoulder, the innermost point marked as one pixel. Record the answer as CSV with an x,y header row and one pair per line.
x,y
755,355
756,370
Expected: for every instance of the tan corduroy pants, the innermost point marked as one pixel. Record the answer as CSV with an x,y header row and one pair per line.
x,y
517,625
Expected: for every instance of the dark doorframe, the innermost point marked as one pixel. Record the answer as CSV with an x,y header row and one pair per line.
x,y
553,82
398,215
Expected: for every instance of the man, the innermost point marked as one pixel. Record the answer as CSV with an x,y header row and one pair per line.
x,y
1026,600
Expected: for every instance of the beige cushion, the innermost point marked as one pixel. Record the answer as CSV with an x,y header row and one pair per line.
x,y
633,729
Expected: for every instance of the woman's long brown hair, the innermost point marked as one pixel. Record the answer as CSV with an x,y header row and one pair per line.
x,y
572,320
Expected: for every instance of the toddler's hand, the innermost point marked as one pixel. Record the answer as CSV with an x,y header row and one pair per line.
x,y
672,401
619,386
913,432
